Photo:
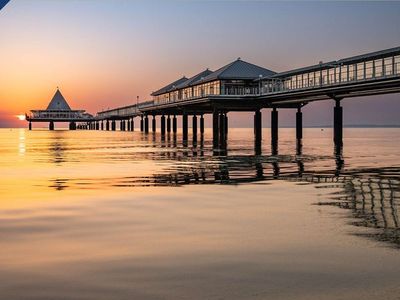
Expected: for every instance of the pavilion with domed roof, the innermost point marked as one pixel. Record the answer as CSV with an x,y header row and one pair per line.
x,y
58,110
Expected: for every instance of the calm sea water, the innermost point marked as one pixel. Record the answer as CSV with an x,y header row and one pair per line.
x,y
120,215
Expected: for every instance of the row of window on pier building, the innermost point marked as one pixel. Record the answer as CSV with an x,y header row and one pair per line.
x,y
320,76
336,74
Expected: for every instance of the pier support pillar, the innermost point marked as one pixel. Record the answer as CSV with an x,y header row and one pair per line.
x,y
141,123
146,124
128,122
113,125
299,131
30,125
72,126
153,124
97,125
222,130
174,124
257,131
162,125
51,125
226,124
338,124
194,129
102,125
107,125
132,125
185,126
274,130
215,129
201,124
168,124
299,124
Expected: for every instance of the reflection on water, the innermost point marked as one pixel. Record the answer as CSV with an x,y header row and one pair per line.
x,y
240,210
371,194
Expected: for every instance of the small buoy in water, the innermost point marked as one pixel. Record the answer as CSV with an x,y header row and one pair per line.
x,y
322,129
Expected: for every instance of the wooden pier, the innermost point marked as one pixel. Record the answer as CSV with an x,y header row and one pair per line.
x,y
244,87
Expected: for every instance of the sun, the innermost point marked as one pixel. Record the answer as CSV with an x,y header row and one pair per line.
x,y
21,117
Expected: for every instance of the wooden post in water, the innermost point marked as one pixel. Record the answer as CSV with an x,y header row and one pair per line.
x,y
222,130
257,131
51,125
338,124
146,124
185,127
215,129
201,124
113,125
174,124
30,125
194,129
299,131
141,123
274,131
162,125
299,124
168,124
153,124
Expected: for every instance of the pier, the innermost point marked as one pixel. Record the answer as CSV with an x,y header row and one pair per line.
x,y
244,87
59,110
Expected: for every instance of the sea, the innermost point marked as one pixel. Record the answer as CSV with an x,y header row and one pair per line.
x,y
126,215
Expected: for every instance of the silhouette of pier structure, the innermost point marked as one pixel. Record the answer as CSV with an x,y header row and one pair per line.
x,y
242,86
58,110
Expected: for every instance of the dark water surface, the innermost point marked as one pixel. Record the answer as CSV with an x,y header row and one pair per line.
x,y
119,215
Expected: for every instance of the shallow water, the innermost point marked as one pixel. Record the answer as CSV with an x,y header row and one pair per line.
x,y
120,215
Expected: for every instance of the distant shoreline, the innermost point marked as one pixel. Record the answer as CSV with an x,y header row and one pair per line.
x,y
310,126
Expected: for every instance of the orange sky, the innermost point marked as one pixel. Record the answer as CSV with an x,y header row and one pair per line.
x,y
105,53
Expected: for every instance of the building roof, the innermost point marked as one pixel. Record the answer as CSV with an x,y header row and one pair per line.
x,y
58,102
238,69
169,87
194,79
345,61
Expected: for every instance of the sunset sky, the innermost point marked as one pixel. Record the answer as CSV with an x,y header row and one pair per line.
x,y
104,53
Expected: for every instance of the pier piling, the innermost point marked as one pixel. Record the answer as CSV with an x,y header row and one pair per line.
x,y
338,124
146,124
174,124
162,125
215,128
168,124
185,126
153,124
257,131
